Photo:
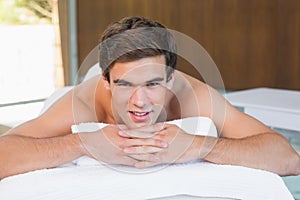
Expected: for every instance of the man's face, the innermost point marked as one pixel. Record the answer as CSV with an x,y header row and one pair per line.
x,y
138,91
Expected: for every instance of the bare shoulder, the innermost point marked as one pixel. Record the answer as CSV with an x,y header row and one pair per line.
x,y
195,94
90,98
188,82
85,93
202,100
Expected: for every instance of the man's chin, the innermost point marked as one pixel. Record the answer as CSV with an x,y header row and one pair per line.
x,y
133,125
137,124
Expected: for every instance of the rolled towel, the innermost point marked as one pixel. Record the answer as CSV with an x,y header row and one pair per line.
x,y
191,125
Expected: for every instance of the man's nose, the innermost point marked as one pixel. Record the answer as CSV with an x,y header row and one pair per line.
x,y
139,97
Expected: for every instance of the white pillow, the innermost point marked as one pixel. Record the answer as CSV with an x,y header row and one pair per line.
x,y
93,71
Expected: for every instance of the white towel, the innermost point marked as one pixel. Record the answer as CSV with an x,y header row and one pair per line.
x,y
191,125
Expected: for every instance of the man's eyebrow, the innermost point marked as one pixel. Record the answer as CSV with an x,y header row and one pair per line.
x,y
120,81
155,80
127,82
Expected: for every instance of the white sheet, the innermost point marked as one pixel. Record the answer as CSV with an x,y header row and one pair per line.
x,y
93,182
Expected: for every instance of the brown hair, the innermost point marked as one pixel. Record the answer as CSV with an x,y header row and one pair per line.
x,y
134,38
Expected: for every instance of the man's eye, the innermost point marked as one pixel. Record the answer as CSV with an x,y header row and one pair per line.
x,y
123,84
152,84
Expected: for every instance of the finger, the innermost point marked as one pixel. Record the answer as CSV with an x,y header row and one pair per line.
x,y
123,134
145,164
145,142
128,161
142,150
145,157
135,134
152,128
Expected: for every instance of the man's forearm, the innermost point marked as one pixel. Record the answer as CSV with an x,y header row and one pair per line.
x,y
20,154
268,151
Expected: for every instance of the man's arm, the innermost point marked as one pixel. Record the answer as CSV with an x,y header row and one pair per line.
x,y
19,154
244,140
247,142
268,151
43,142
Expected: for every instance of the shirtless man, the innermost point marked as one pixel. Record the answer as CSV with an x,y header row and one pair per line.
x,y
139,89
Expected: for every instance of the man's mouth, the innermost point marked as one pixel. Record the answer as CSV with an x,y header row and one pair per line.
x,y
139,113
139,116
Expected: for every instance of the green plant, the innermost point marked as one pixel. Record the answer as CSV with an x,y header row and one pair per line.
x,y
25,11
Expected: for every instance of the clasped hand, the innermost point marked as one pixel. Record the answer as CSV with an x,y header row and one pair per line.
x,y
141,147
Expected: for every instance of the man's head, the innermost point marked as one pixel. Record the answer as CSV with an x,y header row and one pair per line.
x,y
138,57
134,38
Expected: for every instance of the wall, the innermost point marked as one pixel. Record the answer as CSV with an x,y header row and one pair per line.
x,y
254,43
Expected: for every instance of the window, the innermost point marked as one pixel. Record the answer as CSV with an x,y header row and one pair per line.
x,y
27,64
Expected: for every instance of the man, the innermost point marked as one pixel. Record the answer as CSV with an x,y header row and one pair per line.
x,y
139,89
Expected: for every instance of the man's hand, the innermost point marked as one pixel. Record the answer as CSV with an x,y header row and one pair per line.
x,y
182,147
108,146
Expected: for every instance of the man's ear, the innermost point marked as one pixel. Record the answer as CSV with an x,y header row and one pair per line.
x,y
170,81
106,83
